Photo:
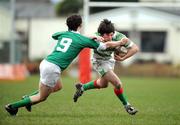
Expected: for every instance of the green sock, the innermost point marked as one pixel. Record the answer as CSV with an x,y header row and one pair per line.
x,y
21,103
123,99
119,93
90,85
34,93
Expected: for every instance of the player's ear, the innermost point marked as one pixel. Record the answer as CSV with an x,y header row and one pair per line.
x,y
79,28
81,25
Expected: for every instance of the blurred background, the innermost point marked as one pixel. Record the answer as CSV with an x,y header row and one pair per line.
x,y
26,27
150,78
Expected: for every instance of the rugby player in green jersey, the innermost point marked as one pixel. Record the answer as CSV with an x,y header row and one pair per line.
x,y
69,45
103,63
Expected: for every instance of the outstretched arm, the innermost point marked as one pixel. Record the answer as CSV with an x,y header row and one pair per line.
x,y
113,44
96,37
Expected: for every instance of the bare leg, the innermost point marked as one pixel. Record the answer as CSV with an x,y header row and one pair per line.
x,y
110,76
58,86
44,92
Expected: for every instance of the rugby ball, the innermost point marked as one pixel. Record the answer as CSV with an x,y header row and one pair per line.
x,y
121,51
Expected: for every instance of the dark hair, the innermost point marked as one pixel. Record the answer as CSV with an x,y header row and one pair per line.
x,y
73,22
106,27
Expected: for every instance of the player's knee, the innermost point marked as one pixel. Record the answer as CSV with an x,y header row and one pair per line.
x,y
58,88
106,85
103,85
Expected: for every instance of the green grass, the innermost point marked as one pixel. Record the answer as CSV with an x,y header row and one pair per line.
x,y
157,99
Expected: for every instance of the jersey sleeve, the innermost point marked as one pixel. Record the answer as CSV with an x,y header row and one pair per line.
x,y
56,35
101,47
129,44
118,36
89,43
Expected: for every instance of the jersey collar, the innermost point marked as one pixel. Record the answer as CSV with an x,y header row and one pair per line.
x,y
75,32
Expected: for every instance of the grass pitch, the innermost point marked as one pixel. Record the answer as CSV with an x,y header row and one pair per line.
x,y
157,99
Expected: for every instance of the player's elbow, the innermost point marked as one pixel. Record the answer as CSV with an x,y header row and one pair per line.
x,y
135,48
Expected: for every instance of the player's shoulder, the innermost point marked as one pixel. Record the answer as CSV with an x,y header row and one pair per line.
x,y
116,33
58,34
118,36
83,38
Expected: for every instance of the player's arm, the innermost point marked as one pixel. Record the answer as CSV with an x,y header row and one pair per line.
x,y
113,44
96,37
110,44
132,49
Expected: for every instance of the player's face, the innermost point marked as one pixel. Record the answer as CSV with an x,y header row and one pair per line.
x,y
108,36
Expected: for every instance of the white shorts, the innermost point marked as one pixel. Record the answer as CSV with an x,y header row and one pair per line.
x,y
49,73
103,66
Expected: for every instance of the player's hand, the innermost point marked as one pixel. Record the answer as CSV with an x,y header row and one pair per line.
x,y
98,38
124,41
118,57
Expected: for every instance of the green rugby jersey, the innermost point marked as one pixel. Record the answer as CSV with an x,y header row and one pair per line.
x,y
107,54
68,47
